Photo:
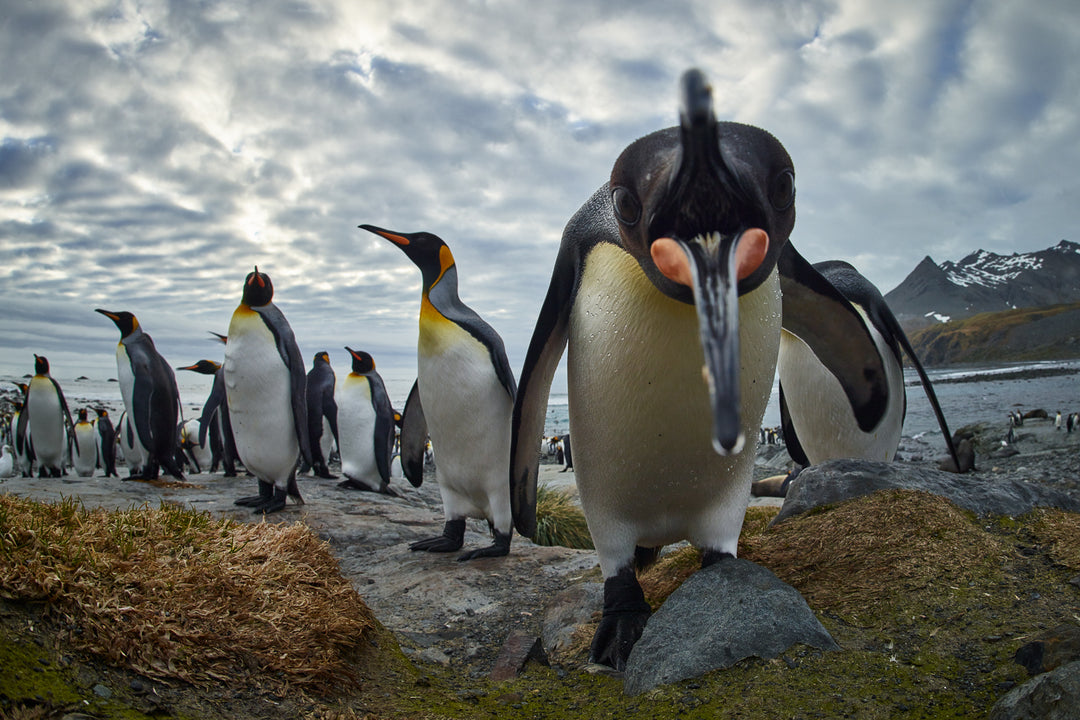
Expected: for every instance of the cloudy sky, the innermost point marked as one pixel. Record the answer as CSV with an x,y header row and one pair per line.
x,y
152,152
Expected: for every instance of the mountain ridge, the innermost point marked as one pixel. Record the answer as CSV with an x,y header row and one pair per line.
x,y
985,282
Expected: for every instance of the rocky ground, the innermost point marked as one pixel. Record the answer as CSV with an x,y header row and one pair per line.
x,y
447,614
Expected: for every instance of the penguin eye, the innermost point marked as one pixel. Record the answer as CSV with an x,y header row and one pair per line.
x,y
782,193
627,208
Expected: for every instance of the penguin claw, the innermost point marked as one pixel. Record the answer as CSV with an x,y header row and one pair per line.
x,y
615,638
439,543
500,548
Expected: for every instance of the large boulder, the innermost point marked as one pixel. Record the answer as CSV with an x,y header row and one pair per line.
x,y
834,481
723,613
1051,696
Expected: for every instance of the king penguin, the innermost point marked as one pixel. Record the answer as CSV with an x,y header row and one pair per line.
x,y
322,413
265,386
20,431
666,293
46,419
85,456
463,396
366,422
818,420
214,422
151,397
106,442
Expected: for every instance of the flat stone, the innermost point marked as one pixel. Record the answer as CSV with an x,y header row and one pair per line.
x,y
1051,696
518,649
834,481
1050,650
722,614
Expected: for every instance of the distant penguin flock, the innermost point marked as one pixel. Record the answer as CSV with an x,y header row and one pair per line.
x,y
677,297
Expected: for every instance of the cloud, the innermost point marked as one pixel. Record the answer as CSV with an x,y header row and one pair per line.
x,y
151,153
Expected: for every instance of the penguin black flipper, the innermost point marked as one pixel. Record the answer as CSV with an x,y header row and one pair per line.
x,y
819,314
213,403
290,355
64,407
586,228
414,434
791,438
384,427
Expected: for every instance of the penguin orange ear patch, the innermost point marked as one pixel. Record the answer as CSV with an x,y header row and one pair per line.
x,y
750,252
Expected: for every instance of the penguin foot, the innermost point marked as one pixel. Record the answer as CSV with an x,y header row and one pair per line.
x,y
275,503
353,484
500,548
452,538
624,618
711,557
324,472
266,493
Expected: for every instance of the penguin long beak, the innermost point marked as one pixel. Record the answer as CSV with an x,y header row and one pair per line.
x,y
111,315
712,265
705,239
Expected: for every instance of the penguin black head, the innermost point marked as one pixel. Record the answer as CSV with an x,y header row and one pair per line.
x,y
203,367
361,362
258,290
101,412
705,208
427,251
82,414
321,357
124,320
41,365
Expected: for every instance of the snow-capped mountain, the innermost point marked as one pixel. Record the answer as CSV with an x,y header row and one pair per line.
x,y
987,282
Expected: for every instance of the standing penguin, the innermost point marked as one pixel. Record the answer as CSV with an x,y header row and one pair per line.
x,y
265,383
85,457
464,395
666,292
818,421
214,422
151,398
7,461
366,422
45,417
321,410
20,431
106,442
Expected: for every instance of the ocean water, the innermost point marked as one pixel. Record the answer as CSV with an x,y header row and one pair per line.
x,y
983,396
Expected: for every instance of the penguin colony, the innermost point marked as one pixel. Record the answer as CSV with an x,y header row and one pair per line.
x,y
676,295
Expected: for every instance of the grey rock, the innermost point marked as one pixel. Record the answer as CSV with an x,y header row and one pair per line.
x,y
724,613
568,610
838,480
1051,696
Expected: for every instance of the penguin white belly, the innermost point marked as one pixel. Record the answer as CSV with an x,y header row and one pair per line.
x,y
134,452
189,435
258,389
86,449
125,377
46,423
640,413
7,462
468,416
356,428
824,421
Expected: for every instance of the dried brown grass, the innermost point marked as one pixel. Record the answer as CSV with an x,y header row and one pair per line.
x,y
862,552
177,594
1061,532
